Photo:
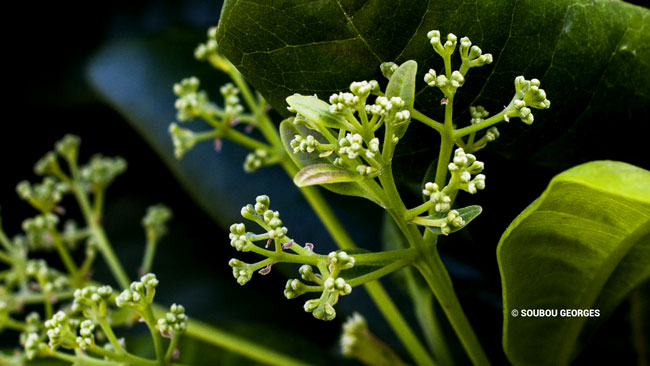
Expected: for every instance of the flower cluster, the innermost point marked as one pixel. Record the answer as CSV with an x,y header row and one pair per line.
x,y
527,95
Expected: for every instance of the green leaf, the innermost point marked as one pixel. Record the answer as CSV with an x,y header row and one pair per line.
x,y
468,214
316,111
583,244
589,55
288,131
324,174
402,84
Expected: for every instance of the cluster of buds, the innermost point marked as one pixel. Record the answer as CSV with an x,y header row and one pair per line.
x,y
101,171
333,286
527,95
48,279
209,51
174,322
191,102
441,200
354,101
140,294
307,144
463,167
231,101
61,331
39,230
92,301
183,139
452,221
44,196
471,56
388,69
155,221
86,336
68,148
256,160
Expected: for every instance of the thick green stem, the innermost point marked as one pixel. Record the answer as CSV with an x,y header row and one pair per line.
x,y
434,272
398,324
427,120
150,320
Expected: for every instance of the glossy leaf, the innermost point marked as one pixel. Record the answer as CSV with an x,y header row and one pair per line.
x,y
589,55
316,110
324,174
583,244
402,84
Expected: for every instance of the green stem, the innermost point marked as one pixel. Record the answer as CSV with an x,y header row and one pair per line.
x,y
149,252
427,120
173,344
102,242
386,257
5,258
424,304
12,324
383,271
108,331
434,272
446,144
231,342
66,258
4,240
481,125
150,320
398,324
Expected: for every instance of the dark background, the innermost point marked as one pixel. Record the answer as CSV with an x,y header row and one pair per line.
x,y
47,47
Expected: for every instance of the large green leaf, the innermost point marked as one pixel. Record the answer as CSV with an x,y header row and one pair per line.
x,y
584,244
591,56
402,85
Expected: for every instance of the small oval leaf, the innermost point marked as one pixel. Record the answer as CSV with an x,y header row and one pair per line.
x,y
582,245
468,214
402,84
324,174
316,111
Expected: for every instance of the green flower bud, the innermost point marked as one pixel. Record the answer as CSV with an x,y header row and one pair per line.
x,y
492,134
388,69
33,345
262,204
191,102
320,309
478,114
453,220
59,331
256,160
86,336
155,221
341,260
338,286
183,139
527,95
307,144
101,171
294,288
43,196
241,271
239,238
442,201
139,294
233,106
39,231
68,148
47,165
174,322
92,301
343,102
430,77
